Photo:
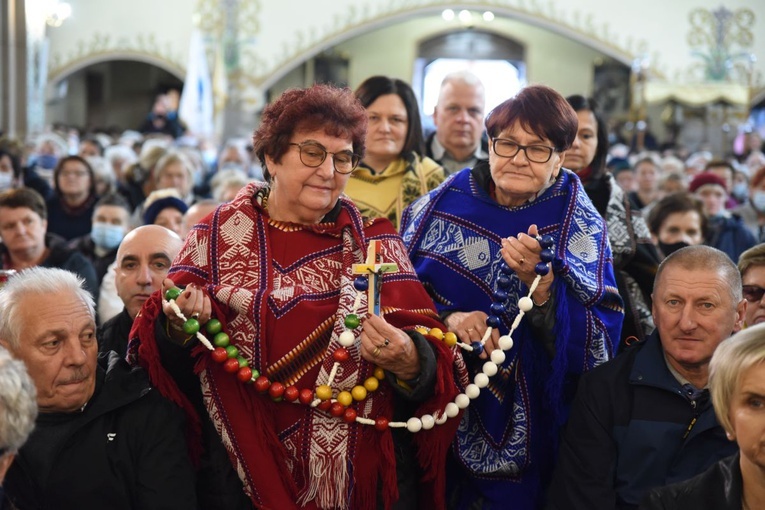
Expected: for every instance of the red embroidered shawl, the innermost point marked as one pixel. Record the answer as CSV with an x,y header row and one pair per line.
x,y
282,292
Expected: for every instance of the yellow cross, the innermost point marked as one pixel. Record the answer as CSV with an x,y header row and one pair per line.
x,y
374,267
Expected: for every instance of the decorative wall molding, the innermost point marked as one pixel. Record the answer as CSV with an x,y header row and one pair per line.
x,y
101,47
372,14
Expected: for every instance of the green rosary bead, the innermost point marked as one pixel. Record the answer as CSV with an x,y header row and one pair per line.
x,y
221,340
191,326
352,321
214,327
172,293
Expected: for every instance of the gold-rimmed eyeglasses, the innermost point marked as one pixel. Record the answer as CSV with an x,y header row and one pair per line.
x,y
313,154
535,153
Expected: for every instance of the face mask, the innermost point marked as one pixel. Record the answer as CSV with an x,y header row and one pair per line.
x,y
210,156
6,180
758,201
740,190
47,161
107,236
666,249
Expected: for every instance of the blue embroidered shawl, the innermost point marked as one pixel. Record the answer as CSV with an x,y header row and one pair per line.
x,y
507,441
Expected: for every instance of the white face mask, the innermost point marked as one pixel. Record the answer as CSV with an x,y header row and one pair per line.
x,y
758,201
6,180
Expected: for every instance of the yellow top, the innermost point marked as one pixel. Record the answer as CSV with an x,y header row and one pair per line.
x,y
388,193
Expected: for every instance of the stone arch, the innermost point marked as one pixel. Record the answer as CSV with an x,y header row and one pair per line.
x,y
62,72
576,27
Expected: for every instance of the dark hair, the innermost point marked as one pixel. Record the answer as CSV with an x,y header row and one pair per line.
x,y
718,163
675,203
93,141
646,159
539,110
15,163
24,197
581,103
377,86
114,199
67,159
333,109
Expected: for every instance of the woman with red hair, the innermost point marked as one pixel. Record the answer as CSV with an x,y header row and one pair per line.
x,y
277,268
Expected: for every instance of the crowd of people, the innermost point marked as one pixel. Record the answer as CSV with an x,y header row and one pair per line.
x,y
346,313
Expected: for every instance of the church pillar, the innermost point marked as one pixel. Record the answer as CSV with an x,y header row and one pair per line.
x,y
13,68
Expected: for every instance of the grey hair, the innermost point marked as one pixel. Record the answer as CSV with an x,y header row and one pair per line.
x,y
732,358
462,77
36,281
18,403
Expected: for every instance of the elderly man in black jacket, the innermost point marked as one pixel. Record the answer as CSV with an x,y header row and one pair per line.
x,y
104,438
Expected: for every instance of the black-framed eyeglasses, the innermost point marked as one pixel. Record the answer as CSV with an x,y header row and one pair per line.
x,y
752,293
312,154
505,148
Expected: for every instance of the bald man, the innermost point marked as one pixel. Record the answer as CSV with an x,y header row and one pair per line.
x,y
196,213
143,260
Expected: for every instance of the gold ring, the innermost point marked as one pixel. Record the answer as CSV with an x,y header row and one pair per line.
x,y
520,262
376,352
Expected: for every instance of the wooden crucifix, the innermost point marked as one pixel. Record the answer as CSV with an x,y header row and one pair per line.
x,y
374,267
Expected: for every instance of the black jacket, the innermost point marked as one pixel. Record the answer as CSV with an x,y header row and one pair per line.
x,y
719,488
125,451
632,428
87,248
63,257
113,335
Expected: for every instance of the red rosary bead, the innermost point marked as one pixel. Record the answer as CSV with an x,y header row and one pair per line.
x,y
341,354
337,409
276,390
244,374
262,384
231,365
305,396
350,415
381,424
219,355
291,393
325,405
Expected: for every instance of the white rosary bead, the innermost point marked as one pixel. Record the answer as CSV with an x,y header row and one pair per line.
x,y
490,368
346,338
482,380
413,424
525,304
428,422
472,391
452,410
505,342
497,356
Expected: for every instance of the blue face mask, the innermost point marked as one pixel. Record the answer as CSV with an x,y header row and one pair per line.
x,y
6,180
47,161
107,236
740,190
758,201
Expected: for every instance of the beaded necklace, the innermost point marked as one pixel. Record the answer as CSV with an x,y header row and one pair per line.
x,y
324,398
